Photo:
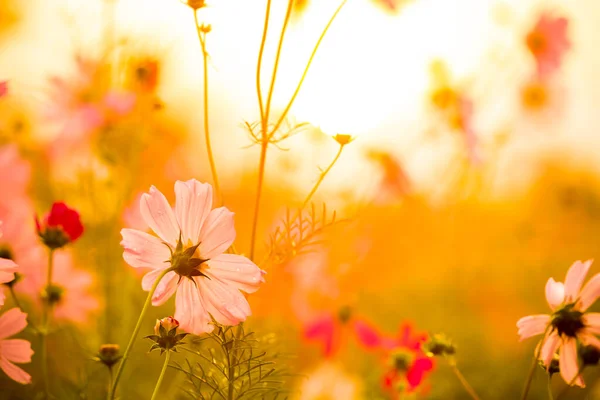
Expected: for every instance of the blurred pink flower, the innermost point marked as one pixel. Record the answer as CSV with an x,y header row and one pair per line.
x,y
14,350
15,174
71,287
569,322
466,111
332,331
193,237
132,216
548,41
7,274
395,183
119,102
3,88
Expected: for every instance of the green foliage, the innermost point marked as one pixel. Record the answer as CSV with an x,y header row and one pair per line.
x,y
231,363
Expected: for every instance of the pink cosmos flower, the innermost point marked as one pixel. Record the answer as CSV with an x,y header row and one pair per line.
x,y
395,183
193,238
14,350
569,322
70,292
15,174
7,274
548,41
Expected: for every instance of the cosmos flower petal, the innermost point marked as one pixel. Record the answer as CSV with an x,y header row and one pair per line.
x,y
159,216
192,207
555,293
367,335
551,344
237,271
532,325
575,278
217,234
569,367
417,371
592,322
190,310
225,303
12,322
142,250
590,293
16,350
587,338
15,373
323,330
166,287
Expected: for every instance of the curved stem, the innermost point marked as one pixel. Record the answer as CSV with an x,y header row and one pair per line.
x,y
136,330
308,64
322,177
464,381
536,357
211,159
161,376
45,326
260,57
14,296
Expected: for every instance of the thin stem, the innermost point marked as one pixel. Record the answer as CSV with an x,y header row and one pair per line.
x,y
464,381
135,332
14,296
110,381
322,177
261,174
47,308
260,58
161,376
230,371
308,64
550,396
211,159
536,357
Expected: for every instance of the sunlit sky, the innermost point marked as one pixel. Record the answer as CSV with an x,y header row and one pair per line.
x,y
369,78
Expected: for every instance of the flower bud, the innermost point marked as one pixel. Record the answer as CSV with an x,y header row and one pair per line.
x,y
165,335
52,294
343,139
344,314
554,366
60,227
401,359
590,355
439,345
196,4
108,354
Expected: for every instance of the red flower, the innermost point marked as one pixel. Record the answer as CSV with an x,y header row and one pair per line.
x,y
60,227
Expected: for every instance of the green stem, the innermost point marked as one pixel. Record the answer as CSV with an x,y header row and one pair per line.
x,y
261,176
211,159
308,64
47,309
469,389
536,357
136,330
161,376
260,58
550,396
14,296
110,381
322,177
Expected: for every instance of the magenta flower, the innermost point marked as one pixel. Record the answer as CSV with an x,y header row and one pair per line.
x,y
547,42
569,322
14,350
192,240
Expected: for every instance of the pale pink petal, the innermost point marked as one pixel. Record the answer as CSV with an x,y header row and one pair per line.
x,y
589,293
569,365
12,322
588,339
166,287
592,322
119,102
2,296
551,344
192,207
574,279
226,304
555,293
142,250
159,216
16,350
237,271
217,234
7,269
15,373
532,325
190,310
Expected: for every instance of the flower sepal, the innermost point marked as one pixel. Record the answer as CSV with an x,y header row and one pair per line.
x,y
165,336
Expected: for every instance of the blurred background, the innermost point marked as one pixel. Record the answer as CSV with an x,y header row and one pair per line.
x,y
472,176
